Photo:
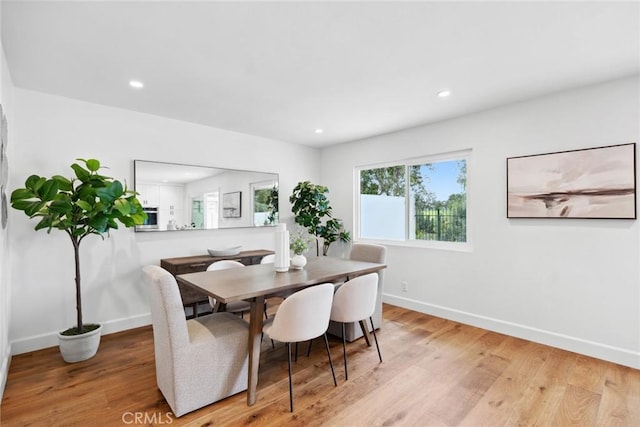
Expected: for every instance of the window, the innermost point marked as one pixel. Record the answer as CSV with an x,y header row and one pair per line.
x,y
429,206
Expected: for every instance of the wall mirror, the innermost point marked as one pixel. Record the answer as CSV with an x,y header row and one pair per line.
x,y
188,197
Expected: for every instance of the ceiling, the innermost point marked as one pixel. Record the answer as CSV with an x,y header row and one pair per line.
x,y
281,70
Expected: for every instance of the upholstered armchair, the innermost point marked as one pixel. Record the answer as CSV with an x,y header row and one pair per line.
x,y
198,361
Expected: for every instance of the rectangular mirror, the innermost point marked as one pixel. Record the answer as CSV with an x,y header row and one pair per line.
x,y
188,197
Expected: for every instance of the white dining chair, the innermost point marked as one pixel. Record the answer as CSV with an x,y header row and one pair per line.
x,y
368,252
355,301
302,316
198,361
236,306
268,259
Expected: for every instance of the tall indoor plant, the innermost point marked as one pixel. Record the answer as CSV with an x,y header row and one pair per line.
x,y
89,203
312,210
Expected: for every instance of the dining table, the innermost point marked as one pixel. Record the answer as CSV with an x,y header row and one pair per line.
x,y
255,283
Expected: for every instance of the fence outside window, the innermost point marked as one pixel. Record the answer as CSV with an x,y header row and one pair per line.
x,y
442,224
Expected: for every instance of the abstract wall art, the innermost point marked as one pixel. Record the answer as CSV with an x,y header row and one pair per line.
x,y
588,183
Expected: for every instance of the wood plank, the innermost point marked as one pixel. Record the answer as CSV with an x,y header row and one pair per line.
x,y
435,372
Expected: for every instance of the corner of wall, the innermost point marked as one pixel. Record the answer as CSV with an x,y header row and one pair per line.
x,y
4,370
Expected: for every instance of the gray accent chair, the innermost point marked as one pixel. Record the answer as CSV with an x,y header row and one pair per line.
x,y
370,253
198,361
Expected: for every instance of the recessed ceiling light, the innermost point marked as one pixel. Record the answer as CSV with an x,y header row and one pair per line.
x,y
444,93
136,84
319,131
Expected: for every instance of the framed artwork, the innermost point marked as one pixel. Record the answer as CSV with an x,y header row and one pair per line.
x,y
589,183
232,205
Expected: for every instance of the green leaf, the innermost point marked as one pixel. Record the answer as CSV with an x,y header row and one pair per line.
x,y
106,195
34,208
44,223
48,190
20,194
34,182
99,222
60,207
85,206
93,165
63,183
123,206
116,189
81,173
127,221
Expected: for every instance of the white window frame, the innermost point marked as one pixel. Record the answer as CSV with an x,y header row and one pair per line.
x,y
467,246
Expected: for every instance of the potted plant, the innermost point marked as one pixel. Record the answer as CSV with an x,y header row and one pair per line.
x,y
89,203
299,245
312,210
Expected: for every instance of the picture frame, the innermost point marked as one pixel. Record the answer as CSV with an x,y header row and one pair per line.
x,y
597,182
232,205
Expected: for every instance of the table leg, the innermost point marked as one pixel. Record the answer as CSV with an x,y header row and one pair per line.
x,y
255,339
219,307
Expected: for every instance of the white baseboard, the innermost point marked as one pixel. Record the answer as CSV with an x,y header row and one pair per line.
x,y
4,370
606,352
38,342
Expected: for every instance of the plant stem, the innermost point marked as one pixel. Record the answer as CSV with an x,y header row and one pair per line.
x,y
76,253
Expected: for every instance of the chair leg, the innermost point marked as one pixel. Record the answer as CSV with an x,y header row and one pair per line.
x,y
326,343
290,377
344,353
309,348
375,338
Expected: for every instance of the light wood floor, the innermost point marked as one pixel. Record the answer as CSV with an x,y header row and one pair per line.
x,y
434,373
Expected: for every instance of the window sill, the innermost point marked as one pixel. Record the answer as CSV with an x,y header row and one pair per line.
x,y
421,244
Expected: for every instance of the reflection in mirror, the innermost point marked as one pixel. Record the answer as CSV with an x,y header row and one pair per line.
x,y
186,197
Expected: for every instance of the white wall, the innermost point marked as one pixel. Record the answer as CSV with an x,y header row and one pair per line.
x,y
6,98
569,283
53,131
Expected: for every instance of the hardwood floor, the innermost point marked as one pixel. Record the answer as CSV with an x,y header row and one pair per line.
x,y
435,372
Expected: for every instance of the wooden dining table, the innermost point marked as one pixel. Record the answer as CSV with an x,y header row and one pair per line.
x,y
255,283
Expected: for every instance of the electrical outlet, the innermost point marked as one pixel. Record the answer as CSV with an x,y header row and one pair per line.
x,y
404,286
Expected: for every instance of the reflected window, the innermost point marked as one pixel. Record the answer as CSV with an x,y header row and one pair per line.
x,y
265,203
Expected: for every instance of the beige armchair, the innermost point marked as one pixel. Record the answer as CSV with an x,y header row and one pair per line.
x,y
198,361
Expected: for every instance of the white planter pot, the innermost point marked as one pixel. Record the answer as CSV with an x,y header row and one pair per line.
x,y
76,348
298,262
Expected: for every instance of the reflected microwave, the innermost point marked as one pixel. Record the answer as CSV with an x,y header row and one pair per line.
x,y
152,219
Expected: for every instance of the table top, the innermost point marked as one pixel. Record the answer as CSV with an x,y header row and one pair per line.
x,y
237,284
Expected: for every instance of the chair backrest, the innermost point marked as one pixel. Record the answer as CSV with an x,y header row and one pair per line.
x,y
223,265
368,252
356,299
268,259
303,315
167,312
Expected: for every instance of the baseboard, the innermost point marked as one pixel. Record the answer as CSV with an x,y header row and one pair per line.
x,y
38,342
606,352
4,370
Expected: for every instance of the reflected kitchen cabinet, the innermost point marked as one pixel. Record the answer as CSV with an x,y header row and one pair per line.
x,y
171,208
149,195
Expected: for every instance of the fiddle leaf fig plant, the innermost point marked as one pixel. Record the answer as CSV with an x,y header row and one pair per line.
x,y
312,210
89,203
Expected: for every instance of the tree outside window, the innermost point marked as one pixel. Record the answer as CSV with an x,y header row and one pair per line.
x,y
437,207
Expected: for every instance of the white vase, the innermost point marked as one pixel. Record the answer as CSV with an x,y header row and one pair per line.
x,y
76,348
298,262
